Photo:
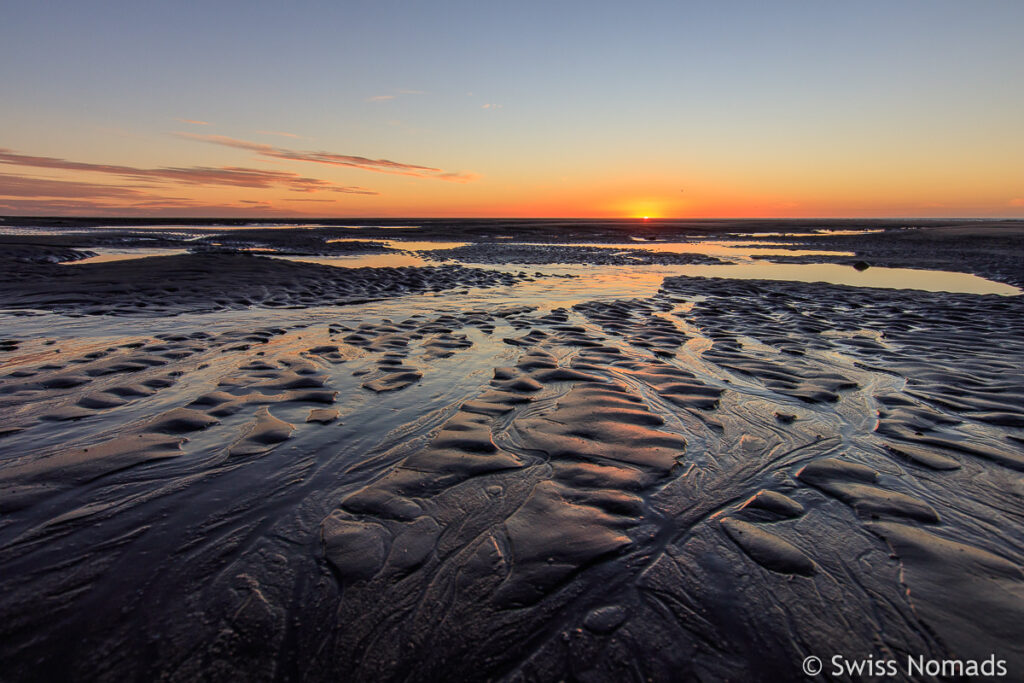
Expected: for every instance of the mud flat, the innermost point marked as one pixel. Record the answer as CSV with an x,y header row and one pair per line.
x,y
209,282
551,253
991,249
713,482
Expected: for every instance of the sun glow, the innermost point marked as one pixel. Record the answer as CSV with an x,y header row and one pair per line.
x,y
644,209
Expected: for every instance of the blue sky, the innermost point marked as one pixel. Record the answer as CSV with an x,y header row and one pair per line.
x,y
896,108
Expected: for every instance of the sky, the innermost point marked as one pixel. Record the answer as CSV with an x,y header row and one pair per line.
x,y
526,109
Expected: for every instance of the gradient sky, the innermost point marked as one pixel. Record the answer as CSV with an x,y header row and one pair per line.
x,y
668,109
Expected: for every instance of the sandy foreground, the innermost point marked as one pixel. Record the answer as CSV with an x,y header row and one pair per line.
x,y
221,466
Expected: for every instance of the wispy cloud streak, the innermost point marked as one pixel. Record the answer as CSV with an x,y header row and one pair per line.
x,y
195,175
385,98
157,207
46,196
347,160
278,133
27,186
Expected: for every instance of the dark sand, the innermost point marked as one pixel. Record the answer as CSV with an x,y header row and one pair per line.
x,y
229,467
535,254
165,285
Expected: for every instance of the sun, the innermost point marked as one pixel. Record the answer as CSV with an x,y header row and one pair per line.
x,y
643,209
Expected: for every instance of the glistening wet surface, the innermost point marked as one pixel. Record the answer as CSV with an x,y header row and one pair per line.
x,y
643,280
739,257
739,250
572,473
875,277
392,260
111,255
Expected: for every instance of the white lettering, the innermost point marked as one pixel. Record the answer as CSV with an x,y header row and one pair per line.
x,y
869,667
951,668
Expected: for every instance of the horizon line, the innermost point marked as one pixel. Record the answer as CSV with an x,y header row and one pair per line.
x,y
640,219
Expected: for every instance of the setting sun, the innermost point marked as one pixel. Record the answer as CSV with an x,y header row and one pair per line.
x,y
534,340
646,209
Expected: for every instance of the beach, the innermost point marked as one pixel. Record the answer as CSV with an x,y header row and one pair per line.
x,y
509,450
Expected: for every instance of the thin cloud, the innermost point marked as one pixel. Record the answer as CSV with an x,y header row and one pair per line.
x,y
49,207
43,206
27,186
166,204
194,122
170,208
195,175
152,206
1017,202
459,177
46,196
385,98
279,133
491,106
347,160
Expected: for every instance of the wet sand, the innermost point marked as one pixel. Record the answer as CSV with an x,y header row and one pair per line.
x,y
222,466
166,285
988,249
534,254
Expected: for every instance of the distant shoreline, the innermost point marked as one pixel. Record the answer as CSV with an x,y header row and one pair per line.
x,y
698,223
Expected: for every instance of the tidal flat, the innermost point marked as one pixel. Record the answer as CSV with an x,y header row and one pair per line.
x,y
508,450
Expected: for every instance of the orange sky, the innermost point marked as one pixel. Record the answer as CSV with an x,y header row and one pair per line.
x,y
736,109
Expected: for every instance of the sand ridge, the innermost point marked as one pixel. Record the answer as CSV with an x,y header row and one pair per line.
x,y
165,285
707,483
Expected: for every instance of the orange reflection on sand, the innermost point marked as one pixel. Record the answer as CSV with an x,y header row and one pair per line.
x,y
727,250
110,255
361,261
831,273
405,245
